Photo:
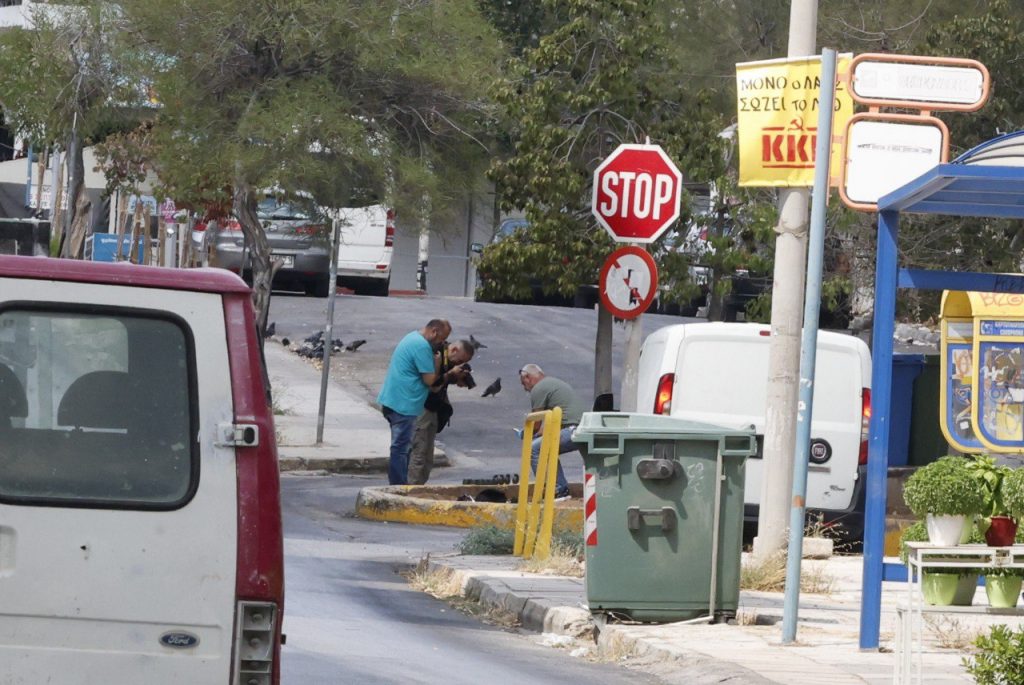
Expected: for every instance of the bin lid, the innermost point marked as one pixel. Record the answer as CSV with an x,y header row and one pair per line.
x,y
639,425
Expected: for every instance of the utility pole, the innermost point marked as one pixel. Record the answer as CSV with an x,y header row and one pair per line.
x,y
787,315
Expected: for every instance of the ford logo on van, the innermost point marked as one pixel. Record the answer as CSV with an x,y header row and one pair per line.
x,y
179,640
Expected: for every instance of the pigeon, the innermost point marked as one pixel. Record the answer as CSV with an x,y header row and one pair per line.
x,y
270,330
493,389
315,338
286,342
355,345
476,343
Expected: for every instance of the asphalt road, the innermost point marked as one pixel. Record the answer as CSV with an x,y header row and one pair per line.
x,y
350,617
480,438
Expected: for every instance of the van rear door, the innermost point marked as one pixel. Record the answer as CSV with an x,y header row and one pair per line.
x,y
363,233
118,511
722,378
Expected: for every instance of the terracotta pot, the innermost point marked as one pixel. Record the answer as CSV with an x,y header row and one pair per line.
x,y
1001,532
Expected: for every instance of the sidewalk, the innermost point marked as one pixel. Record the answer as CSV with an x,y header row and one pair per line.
x,y
356,436
826,651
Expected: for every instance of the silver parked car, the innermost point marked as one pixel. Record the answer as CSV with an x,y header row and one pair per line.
x,y
296,238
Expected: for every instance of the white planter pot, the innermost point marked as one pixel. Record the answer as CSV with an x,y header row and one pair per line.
x,y
945,531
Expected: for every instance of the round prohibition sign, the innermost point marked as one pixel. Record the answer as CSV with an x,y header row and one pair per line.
x,y
629,282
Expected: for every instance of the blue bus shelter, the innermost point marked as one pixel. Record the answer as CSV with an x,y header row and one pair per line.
x,y
987,181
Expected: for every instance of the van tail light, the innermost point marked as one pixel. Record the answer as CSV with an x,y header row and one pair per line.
x,y
865,423
389,229
663,400
254,643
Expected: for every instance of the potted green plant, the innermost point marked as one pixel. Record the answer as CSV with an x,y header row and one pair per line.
x,y
1002,586
999,525
945,494
939,586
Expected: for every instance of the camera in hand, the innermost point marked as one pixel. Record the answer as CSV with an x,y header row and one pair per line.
x,y
467,377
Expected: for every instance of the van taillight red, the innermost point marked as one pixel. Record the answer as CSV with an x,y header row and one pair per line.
x,y
865,423
663,400
389,229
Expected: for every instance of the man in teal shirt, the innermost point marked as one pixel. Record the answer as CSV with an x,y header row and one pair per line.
x,y
413,369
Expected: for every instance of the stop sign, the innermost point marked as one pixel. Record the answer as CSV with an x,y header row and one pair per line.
x,y
636,193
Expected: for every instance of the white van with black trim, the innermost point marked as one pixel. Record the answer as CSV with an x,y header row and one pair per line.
x,y
718,373
140,519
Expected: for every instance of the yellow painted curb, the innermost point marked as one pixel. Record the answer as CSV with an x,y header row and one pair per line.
x,y
400,504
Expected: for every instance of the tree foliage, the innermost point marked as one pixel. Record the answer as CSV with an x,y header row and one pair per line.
x,y
348,101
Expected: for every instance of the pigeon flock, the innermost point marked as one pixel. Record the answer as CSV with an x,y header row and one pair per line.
x,y
312,347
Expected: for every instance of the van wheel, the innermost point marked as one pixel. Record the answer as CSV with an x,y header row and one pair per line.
x,y
321,287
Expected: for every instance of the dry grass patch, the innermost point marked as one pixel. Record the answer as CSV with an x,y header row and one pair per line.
x,y
440,582
950,632
562,561
445,584
770,576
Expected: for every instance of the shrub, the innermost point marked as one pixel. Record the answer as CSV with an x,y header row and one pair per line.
x,y
944,487
988,478
999,659
494,540
1013,493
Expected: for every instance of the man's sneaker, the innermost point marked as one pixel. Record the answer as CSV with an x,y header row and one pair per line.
x,y
562,493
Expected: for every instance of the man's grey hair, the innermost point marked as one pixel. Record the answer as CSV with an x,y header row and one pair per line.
x,y
531,370
466,347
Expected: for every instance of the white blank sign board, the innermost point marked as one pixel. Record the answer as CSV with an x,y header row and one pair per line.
x,y
883,156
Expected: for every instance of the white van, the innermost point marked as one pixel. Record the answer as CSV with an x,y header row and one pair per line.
x,y
140,517
364,254
718,373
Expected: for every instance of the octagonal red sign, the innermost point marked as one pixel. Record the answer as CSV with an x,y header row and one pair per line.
x,y
636,193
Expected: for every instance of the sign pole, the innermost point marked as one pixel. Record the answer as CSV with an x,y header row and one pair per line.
x,y
332,293
784,348
631,362
809,348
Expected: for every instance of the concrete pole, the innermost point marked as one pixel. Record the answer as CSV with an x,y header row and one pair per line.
x,y
787,311
631,364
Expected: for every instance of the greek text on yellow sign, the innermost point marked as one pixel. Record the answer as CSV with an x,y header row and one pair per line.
x,y
777,104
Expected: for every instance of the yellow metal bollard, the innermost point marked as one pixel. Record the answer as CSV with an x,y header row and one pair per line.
x,y
538,507
529,541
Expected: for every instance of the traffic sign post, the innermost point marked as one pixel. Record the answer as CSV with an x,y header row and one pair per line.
x,y
636,197
636,193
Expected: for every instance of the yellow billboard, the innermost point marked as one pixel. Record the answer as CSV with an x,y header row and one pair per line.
x,y
777,107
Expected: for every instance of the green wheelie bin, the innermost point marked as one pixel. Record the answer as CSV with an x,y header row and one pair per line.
x,y
663,503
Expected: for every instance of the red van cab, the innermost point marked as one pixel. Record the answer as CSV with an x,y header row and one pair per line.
x,y
140,516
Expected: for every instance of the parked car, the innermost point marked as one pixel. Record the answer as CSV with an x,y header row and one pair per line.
x,y
365,250
296,237
718,373
140,515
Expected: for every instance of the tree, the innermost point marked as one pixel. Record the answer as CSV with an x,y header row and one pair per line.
x,y
604,76
68,79
347,101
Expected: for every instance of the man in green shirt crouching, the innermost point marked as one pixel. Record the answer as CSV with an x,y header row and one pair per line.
x,y
548,392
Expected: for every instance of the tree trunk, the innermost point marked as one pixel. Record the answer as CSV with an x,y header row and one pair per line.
x,y
245,203
76,234
603,353
76,185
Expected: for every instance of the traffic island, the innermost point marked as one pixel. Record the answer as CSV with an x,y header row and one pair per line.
x,y
459,506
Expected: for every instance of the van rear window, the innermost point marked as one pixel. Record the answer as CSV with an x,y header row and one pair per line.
x,y
96,409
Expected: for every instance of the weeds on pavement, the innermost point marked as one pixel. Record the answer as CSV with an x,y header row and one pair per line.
x,y
950,632
770,576
563,561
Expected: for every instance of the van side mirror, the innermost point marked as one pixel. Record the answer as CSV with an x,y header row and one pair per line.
x,y
476,248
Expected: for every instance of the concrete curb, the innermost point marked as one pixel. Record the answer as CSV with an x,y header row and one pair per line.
x,y
437,506
347,465
547,616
